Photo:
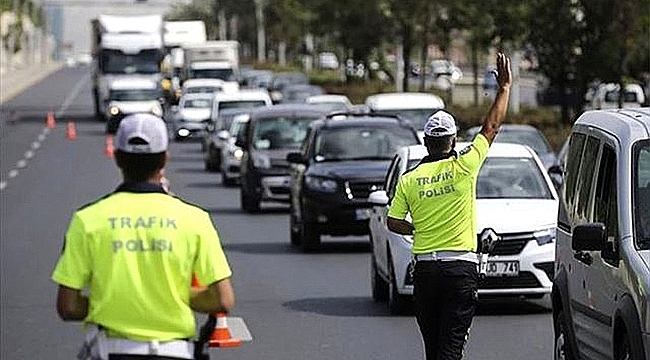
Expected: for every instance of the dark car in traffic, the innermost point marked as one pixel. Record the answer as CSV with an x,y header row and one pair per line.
x,y
270,134
343,159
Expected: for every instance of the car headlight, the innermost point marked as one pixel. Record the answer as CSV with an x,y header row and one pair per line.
x,y
261,161
114,110
545,236
237,154
156,110
183,132
320,184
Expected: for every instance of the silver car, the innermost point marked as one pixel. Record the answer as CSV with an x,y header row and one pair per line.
x,y
192,116
231,154
601,290
516,202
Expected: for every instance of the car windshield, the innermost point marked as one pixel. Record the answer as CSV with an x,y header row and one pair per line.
x,y
226,117
417,117
135,95
197,103
236,128
300,94
280,132
116,62
511,178
641,208
524,137
361,143
221,74
240,104
202,89
628,96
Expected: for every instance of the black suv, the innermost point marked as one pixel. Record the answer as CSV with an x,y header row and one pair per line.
x,y
271,133
343,159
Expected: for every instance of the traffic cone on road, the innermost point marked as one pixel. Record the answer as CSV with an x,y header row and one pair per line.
x,y
221,334
50,122
71,131
109,149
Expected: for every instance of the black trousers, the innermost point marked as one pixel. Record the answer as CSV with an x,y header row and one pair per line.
x,y
445,299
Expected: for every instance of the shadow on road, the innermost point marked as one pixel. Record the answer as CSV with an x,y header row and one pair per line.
x,y
193,170
180,158
511,306
340,306
286,248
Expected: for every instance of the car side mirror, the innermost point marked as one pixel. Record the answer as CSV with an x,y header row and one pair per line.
x,y
589,237
223,135
378,197
296,158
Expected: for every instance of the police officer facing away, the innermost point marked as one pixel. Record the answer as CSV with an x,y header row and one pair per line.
x,y
440,195
135,251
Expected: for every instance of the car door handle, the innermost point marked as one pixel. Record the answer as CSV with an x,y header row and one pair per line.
x,y
584,257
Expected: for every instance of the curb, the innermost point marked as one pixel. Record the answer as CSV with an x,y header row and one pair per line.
x,y
15,82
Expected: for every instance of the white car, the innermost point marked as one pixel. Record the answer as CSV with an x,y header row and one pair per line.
x,y
192,116
231,154
129,95
207,86
415,107
245,98
515,199
336,102
605,96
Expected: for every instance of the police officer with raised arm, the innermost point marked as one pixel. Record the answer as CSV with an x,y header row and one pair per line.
x,y
440,195
128,259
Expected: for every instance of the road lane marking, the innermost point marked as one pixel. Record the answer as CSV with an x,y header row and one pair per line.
x,y
46,131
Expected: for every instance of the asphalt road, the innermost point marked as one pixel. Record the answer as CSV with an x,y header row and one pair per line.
x,y
296,305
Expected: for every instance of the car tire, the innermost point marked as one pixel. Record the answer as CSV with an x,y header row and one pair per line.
x,y
309,236
562,349
379,285
250,203
397,303
210,164
227,181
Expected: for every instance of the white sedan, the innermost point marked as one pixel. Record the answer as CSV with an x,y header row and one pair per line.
x,y
516,200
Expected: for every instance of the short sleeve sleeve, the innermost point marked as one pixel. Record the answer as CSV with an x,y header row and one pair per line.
x,y
399,206
211,264
73,268
472,157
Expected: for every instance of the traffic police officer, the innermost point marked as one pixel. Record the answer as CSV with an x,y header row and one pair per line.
x,y
440,195
135,251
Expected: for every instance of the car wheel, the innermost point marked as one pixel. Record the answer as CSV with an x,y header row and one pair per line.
x,y
562,349
294,228
623,349
379,285
210,163
309,235
227,181
397,303
249,202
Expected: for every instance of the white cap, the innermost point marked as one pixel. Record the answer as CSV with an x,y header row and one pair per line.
x,y
439,124
141,134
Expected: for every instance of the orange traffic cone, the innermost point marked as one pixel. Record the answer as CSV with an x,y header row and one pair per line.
x,y
50,123
221,334
71,131
108,151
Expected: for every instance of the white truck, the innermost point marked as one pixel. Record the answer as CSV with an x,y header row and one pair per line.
x,y
123,46
177,35
213,59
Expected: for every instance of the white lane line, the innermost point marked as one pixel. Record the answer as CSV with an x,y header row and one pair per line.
x,y
46,131
73,94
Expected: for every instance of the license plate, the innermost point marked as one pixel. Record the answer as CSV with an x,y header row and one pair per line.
x,y
362,214
502,268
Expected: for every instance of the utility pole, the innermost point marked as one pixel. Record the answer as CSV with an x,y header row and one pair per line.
x,y
261,33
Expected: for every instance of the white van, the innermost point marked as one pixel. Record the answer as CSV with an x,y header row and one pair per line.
x,y
415,107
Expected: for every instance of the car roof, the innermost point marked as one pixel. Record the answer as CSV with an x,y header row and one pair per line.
x,y
202,82
244,94
628,125
197,96
289,110
389,101
343,120
328,98
502,150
